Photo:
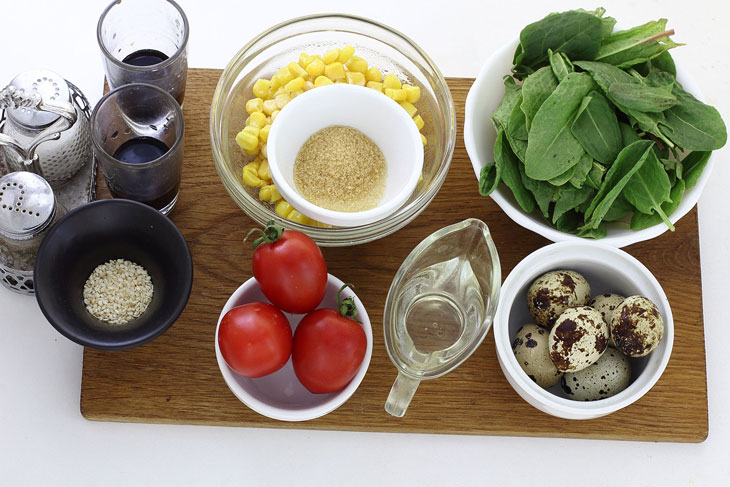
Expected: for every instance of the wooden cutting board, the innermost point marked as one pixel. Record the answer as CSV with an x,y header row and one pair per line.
x,y
175,379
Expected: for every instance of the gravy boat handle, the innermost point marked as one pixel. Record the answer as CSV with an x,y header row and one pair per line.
x,y
401,394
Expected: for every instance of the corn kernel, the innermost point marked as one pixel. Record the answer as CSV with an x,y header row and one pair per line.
x,y
331,56
355,78
282,208
254,105
269,193
261,87
423,139
252,130
315,68
282,79
247,141
375,85
345,54
305,59
269,106
409,108
357,65
413,93
294,94
295,216
264,152
391,81
296,70
321,81
397,95
419,122
374,74
257,119
294,85
264,172
308,85
264,133
334,71
282,99
250,176
273,115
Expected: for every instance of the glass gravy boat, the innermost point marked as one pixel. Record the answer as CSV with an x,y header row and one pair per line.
x,y
440,306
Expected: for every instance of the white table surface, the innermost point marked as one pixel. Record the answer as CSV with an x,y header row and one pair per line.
x,y
44,440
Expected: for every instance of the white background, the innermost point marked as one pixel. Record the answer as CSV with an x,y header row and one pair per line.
x,y
44,440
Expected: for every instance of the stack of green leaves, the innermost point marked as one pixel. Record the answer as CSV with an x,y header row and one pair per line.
x,y
595,128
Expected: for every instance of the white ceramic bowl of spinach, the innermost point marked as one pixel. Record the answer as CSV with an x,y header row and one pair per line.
x,y
480,136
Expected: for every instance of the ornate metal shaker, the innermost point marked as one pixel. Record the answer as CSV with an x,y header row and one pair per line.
x,y
46,126
28,208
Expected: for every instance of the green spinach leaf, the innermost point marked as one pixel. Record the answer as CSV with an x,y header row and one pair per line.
x,y
489,178
581,171
639,44
516,127
570,198
639,221
552,149
649,188
595,175
543,192
619,209
501,114
629,160
560,65
535,90
664,62
576,33
693,125
509,171
596,128
641,98
692,166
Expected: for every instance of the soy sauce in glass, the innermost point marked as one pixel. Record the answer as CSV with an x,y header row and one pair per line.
x,y
145,57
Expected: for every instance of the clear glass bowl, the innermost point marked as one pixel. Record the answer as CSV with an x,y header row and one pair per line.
x,y
381,46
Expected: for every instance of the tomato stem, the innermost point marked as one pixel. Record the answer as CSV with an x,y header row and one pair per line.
x,y
270,234
347,307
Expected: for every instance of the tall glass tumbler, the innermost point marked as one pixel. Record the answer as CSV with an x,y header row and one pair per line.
x,y
137,133
145,41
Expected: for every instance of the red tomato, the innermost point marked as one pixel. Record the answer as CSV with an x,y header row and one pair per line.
x,y
290,269
255,339
328,350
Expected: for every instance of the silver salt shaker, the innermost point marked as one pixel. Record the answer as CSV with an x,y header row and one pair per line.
x,y
28,208
46,128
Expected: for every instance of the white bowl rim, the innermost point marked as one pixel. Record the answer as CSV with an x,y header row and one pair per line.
x,y
337,399
339,218
502,196
559,406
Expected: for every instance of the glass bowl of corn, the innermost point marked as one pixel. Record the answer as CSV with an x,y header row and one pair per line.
x,y
303,54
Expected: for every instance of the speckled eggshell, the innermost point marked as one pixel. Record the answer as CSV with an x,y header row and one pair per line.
x,y
606,378
530,346
605,304
554,292
578,339
637,326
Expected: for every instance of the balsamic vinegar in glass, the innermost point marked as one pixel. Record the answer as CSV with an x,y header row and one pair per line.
x,y
141,150
145,57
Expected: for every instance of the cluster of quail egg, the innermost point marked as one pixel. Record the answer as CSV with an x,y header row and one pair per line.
x,y
582,342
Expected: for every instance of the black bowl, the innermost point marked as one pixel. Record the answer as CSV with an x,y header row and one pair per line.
x,y
94,234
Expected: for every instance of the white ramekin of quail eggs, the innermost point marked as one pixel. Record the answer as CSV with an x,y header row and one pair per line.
x,y
582,329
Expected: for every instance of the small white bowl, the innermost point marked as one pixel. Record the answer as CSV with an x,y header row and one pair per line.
x,y
607,269
479,135
380,118
280,395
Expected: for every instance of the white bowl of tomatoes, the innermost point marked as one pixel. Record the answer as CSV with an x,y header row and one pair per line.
x,y
289,356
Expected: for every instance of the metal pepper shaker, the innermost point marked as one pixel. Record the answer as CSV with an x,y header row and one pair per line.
x,y
46,127
28,208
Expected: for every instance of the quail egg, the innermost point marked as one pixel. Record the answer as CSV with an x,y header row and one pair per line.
x,y
578,339
637,326
530,346
610,375
605,304
554,292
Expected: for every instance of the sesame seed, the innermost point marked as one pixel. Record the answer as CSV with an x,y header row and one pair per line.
x,y
118,291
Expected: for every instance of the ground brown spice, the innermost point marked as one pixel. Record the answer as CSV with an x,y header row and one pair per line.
x,y
340,168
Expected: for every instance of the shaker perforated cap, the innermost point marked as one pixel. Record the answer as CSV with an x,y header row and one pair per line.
x,y
27,204
52,89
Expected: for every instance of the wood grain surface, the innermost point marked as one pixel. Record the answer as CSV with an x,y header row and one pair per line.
x,y
175,379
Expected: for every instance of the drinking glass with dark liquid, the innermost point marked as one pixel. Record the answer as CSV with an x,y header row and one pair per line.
x,y
137,133
145,41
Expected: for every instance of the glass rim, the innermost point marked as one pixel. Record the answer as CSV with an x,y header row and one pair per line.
x,y
178,111
142,69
